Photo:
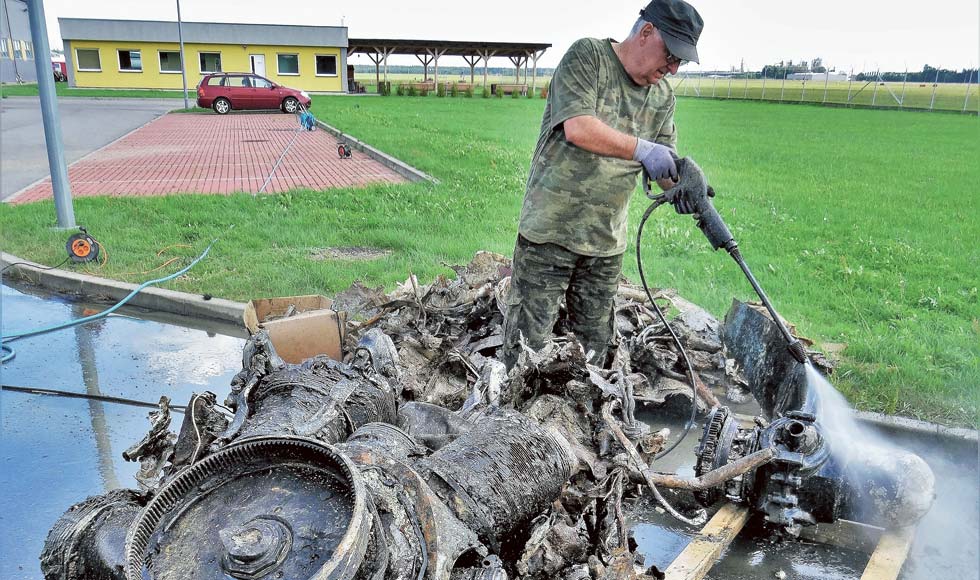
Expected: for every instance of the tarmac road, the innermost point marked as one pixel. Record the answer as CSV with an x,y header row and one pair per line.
x,y
86,125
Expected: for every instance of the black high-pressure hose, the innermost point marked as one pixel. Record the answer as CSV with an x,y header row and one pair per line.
x,y
693,194
657,202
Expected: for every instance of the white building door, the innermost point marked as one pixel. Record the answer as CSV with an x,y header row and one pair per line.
x,y
258,64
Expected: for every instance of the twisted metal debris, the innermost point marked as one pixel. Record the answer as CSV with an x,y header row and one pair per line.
x,y
420,456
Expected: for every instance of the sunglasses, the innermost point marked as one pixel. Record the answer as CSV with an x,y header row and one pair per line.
x,y
671,59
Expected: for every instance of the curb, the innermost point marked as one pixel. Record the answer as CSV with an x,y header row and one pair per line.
x,y
194,305
900,424
399,167
916,426
161,299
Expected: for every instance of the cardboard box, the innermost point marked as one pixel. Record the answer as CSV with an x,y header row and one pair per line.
x,y
314,329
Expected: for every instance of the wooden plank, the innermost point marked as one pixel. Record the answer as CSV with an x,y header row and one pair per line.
x,y
887,560
844,534
700,555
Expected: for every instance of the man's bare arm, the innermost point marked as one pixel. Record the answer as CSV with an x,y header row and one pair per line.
x,y
593,135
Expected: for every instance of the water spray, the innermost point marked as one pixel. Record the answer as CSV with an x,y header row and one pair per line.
x,y
808,465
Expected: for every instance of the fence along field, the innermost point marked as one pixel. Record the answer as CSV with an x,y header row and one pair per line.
x,y
961,97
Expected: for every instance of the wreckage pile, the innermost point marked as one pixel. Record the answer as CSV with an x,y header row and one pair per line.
x,y
448,334
422,455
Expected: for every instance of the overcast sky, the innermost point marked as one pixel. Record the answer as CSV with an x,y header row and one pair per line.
x,y
861,34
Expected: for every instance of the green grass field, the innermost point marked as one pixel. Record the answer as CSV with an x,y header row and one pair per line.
x,y
861,225
63,90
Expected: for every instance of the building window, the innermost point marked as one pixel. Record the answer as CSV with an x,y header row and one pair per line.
x,y
326,65
28,50
87,59
18,50
130,61
210,62
288,64
4,48
170,61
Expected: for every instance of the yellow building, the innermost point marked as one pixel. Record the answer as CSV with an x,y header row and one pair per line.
x,y
142,54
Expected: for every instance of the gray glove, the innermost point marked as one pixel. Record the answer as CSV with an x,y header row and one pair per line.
x,y
657,159
691,185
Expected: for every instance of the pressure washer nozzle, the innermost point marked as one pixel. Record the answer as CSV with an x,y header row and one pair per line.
x,y
798,351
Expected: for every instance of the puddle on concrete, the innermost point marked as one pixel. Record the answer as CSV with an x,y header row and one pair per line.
x,y
945,545
54,451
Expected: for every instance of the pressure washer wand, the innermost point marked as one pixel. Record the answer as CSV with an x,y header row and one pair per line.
x,y
692,194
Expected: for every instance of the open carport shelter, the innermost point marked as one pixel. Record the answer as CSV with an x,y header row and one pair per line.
x,y
145,54
428,52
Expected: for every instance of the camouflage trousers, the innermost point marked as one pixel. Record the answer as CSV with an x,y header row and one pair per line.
x,y
543,275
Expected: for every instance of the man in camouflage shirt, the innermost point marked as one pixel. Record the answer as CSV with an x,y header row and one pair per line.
x,y
609,115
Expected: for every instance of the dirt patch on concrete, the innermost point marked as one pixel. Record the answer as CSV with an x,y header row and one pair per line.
x,y
348,253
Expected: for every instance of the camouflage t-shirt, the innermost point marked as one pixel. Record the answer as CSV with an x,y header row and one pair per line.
x,y
575,198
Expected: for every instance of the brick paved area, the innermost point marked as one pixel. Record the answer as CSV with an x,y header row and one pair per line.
x,y
207,153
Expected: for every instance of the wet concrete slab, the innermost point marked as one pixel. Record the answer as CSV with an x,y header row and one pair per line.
x,y
56,451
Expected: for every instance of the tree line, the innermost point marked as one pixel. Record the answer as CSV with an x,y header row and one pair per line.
x,y
928,74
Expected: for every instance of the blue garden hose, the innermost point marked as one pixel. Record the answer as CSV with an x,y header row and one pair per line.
x,y
9,354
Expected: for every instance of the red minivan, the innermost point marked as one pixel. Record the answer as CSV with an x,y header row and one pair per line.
x,y
226,91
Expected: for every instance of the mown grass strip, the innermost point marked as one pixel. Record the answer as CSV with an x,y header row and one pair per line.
x,y
63,90
861,225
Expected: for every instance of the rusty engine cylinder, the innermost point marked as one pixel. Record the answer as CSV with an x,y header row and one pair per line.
x,y
324,400
506,469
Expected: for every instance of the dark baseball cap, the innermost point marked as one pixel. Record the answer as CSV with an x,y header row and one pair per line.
x,y
679,24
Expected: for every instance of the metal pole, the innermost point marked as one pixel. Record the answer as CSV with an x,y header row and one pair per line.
x,y
966,100
183,64
826,79
783,87
763,85
730,87
714,82
49,115
435,64
874,97
904,81
387,52
850,78
534,69
745,88
803,94
486,61
935,84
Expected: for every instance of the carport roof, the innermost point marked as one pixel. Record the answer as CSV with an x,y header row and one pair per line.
x,y
445,47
